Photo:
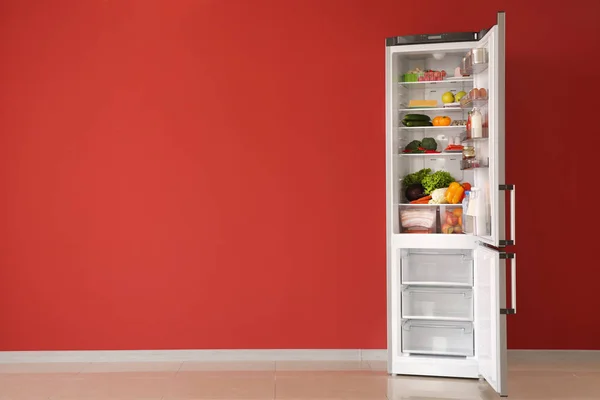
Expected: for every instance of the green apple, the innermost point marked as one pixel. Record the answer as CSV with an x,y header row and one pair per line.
x,y
448,97
460,95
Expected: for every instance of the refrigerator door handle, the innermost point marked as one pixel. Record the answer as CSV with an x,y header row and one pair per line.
x,y
513,283
513,221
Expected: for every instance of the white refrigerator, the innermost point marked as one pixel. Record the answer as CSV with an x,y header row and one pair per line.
x,y
447,286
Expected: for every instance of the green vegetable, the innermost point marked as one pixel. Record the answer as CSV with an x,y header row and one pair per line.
x,y
415,177
416,117
429,143
414,145
416,123
437,180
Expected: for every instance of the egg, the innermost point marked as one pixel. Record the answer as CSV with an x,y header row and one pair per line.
x,y
482,93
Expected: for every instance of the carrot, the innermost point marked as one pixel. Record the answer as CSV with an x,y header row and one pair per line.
x,y
422,200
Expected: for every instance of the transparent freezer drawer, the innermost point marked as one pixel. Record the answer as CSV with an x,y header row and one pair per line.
x,y
445,267
442,303
437,337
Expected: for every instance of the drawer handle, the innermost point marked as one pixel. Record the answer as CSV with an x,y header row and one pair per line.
x,y
411,291
435,326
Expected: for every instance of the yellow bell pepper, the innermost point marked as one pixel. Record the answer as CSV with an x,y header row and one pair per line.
x,y
454,193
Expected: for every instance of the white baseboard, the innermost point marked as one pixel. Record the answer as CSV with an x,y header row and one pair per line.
x,y
189,355
124,356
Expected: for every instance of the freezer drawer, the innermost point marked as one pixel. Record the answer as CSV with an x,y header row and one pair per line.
x,y
437,337
437,303
441,267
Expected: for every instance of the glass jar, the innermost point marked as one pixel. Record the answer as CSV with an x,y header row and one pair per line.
x,y
468,152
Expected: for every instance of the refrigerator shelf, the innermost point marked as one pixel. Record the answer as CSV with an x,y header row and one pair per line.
x,y
436,109
447,83
414,128
426,154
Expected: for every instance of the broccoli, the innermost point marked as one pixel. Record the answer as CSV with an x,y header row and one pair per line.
x,y
429,143
414,145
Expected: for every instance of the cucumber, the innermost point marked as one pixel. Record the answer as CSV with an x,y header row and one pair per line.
x,y
416,117
416,123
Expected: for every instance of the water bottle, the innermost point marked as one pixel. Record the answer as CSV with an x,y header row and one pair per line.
x,y
465,205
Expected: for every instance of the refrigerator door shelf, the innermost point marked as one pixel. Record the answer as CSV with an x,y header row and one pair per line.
x,y
447,304
438,338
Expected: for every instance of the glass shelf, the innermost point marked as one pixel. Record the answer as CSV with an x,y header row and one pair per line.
x,y
436,109
447,83
447,154
432,127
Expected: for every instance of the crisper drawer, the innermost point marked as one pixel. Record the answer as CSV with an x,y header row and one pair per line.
x,y
437,303
442,267
437,337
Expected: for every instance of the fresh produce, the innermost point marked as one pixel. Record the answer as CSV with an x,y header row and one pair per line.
x,y
438,196
452,221
416,117
442,121
422,200
414,145
454,194
437,180
416,177
466,186
460,95
454,147
429,143
448,97
417,74
414,192
411,124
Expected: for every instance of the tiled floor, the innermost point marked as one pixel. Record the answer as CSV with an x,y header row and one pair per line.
x,y
573,376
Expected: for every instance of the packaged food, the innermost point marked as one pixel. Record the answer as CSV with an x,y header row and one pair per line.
x,y
418,219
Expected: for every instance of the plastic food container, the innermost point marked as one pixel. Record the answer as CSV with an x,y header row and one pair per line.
x,y
412,77
451,218
418,219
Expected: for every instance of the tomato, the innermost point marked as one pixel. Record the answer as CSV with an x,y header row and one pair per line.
x,y
441,121
466,186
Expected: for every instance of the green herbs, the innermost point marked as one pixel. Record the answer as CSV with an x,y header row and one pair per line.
x,y
437,180
417,177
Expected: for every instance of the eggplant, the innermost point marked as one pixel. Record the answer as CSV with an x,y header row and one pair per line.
x,y
414,192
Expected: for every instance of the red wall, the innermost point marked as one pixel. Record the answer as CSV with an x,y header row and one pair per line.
x,y
210,174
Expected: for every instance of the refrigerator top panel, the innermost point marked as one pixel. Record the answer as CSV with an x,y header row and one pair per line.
x,y
434,38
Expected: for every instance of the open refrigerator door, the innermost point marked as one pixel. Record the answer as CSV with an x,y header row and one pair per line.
x,y
485,137
490,315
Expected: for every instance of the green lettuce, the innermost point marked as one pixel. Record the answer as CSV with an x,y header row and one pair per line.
x,y
437,180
